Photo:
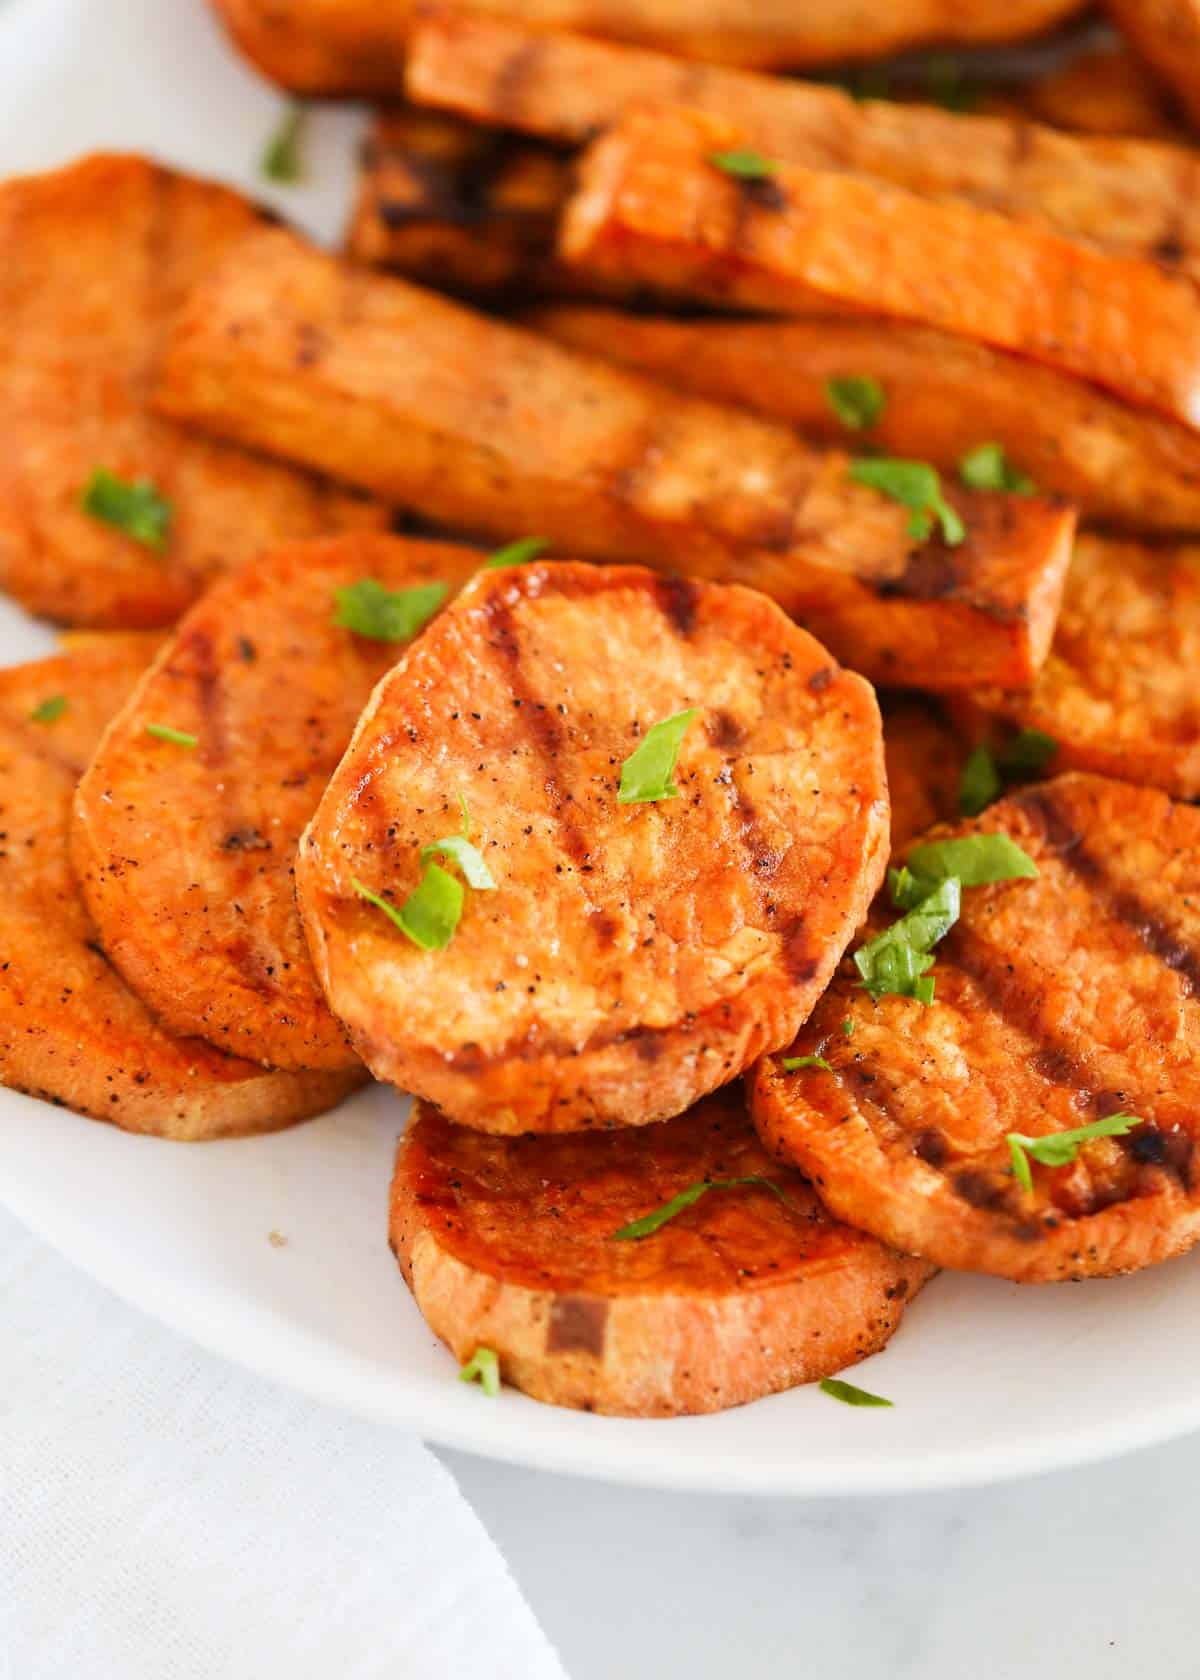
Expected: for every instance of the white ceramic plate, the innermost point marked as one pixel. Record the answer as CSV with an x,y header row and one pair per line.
x,y
989,1380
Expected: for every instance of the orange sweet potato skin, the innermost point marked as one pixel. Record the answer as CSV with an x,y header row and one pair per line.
x,y
944,395
651,206
507,1243
489,428
1119,194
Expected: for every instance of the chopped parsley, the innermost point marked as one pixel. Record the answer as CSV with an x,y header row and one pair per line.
x,y
792,1064
177,737
431,912
856,399
458,848
1028,753
897,961
916,486
980,783
49,710
646,773
849,1395
651,1222
281,159
135,507
985,773
386,615
976,859
1058,1149
483,1367
744,165
848,1027
987,468
518,553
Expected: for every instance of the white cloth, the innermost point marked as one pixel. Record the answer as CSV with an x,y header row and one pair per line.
x,y
164,1516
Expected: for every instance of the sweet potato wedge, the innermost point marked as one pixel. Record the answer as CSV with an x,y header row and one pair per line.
x,y
357,46
1060,1000
185,856
1118,692
652,206
70,1030
1128,196
488,428
94,259
632,956
924,755
1166,33
944,396
507,1243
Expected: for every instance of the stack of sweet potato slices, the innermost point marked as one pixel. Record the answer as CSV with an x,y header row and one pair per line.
x,y
714,398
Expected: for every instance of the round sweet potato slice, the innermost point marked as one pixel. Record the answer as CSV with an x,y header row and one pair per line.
x,y
1061,1001
185,854
70,1029
632,956
508,1243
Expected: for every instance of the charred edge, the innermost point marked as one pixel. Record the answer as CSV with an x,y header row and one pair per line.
x,y
799,963
931,573
985,1190
577,1325
931,1147
678,599
1174,1152
459,191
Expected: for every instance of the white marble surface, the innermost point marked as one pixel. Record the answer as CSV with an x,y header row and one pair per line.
x,y
1089,1573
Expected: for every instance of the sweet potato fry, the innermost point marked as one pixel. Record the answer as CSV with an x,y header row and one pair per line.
x,y
357,46
1129,196
94,259
943,396
1167,35
491,429
1118,691
652,206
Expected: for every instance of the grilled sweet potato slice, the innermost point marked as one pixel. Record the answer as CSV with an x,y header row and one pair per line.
x,y
357,46
488,428
944,396
186,856
94,259
924,756
70,1030
633,956
1121,195
508,1243
1118,692
1060,1000
1167,35
653,207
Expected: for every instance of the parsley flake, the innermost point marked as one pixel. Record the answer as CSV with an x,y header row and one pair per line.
x,y
136,508
49,710
651,1222
987,468
386,615
177,737
976,859
896,961
1058,1149
985,773
458,848
848,1027
856,399
792,1064
430,914
744,165
1028,753
281,159
518,553
483,1367
980,783
849,1395
646,773
916,486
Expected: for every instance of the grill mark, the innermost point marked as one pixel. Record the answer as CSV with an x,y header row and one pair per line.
x,y
679,599
577,1325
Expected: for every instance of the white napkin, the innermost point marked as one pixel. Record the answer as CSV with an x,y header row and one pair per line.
x,y
165,1517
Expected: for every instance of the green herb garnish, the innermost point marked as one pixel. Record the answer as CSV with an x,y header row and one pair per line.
x,y
458,848
483,1367
1058,1149
1028,753
849,1395
646,773
651,1222
856,399
986,468
135,508
916,486
177,737
49,710
848,1027
985,772
897,961
791,1064
431,912
976,859
386,615
281,158
518,553
980,783
744,165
